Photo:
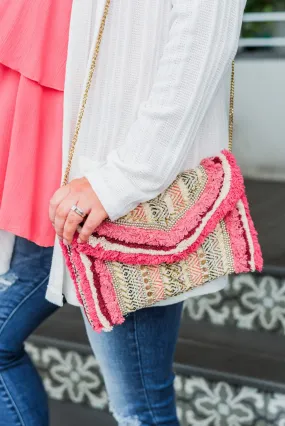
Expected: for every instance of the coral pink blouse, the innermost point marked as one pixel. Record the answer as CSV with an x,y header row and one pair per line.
x,y
33,51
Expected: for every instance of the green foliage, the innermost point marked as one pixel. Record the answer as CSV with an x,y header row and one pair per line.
x,y
260,28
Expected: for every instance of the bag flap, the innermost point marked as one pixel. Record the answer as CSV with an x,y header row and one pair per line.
x,y
182,216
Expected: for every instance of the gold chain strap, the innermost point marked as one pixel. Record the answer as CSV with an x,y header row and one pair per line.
x,y
232,101
85,95
88,85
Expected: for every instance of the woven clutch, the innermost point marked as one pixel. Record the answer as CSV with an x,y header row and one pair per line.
x,y
197,230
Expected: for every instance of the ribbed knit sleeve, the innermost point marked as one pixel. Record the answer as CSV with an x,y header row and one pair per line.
x,y
202,42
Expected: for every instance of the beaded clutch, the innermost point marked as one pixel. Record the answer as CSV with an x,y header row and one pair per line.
x,y
197,230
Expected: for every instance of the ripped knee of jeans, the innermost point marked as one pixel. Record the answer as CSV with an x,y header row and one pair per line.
x,y
125,420
7,280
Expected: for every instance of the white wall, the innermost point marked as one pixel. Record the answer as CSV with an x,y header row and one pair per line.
x,y
259,135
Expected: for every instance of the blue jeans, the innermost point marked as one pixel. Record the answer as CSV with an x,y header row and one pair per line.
x,y
136,361
23,401
135,358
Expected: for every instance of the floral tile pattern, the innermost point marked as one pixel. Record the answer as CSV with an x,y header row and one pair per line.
x,y
204,403
69,375
255,302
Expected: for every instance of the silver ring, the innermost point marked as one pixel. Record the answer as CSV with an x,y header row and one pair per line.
x,y
78,210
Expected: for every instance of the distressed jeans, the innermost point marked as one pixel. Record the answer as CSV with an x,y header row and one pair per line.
x,y
135,358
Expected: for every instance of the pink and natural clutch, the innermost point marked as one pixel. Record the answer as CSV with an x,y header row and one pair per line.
x,y
198,230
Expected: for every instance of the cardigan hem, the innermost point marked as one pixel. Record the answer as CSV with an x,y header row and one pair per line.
x,y
54,297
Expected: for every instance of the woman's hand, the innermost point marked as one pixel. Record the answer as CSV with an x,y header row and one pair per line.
x,y
65,221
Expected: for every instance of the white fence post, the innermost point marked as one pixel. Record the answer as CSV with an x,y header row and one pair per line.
x,y
262,41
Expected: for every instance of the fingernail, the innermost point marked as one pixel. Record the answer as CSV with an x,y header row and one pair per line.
x,y
65,242
79,241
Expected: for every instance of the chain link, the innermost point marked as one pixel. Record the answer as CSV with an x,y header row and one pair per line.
x,y
88,85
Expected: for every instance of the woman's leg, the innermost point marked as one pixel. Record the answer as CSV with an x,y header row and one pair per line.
x,y
23,307
136,361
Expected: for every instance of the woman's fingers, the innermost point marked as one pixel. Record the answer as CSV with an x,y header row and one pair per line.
x,y
92,222
80,193
55,201
72,221
62,213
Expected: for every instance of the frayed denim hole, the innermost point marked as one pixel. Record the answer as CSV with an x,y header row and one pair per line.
x,y
125,420
7,280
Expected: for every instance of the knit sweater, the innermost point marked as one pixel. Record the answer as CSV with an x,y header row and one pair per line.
x,y
158,103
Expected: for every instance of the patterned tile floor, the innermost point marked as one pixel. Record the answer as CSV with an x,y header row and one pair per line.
x,y
253,302
70,376
204,403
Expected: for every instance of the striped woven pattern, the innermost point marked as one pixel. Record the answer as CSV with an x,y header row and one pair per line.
x,y
198,230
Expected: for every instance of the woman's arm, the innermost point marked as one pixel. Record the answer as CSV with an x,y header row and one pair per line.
x,y
203,41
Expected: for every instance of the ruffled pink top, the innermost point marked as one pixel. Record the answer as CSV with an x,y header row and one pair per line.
x,y
33,51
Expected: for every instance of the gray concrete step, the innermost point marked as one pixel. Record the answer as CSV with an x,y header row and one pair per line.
x,y
68,414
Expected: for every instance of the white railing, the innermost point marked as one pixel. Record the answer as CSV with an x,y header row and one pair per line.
x,y
263,41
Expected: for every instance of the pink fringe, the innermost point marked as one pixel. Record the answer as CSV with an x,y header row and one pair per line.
x,y
92,313
71,271
108,293
192,217
133,234
238,242
258,259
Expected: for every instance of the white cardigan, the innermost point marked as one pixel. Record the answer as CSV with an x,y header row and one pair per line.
x,y
158,102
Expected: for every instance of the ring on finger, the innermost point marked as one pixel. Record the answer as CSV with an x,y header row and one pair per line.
x,y
78,211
